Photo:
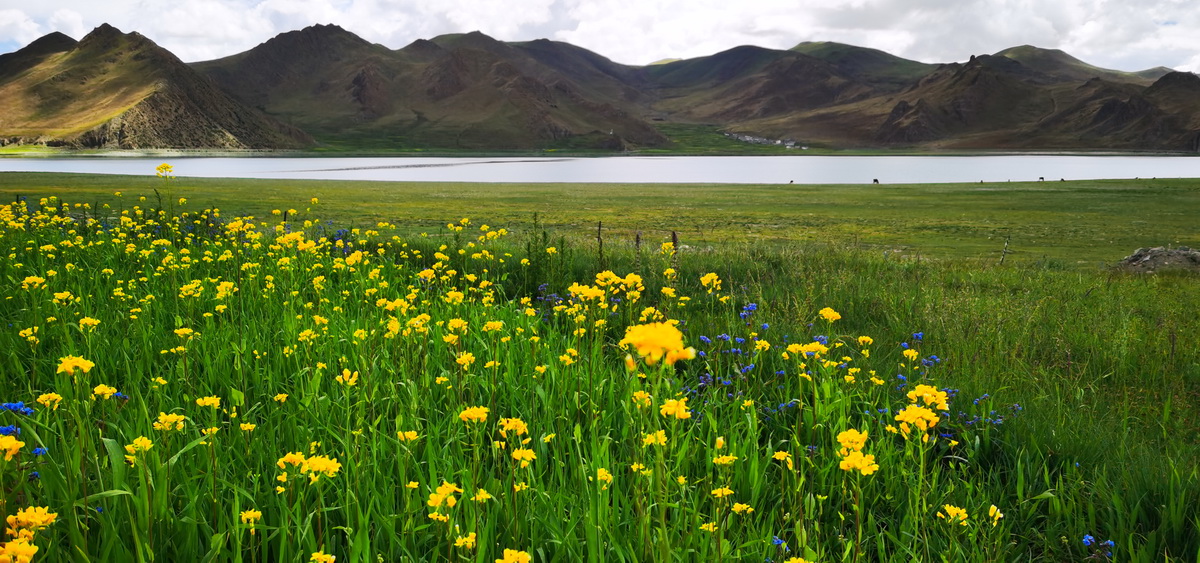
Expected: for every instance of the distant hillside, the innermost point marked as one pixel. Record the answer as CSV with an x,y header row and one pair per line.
x,y
882,70
117,90
470,91
455,91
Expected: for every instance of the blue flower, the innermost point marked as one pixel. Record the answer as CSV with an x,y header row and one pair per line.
x,y
17,407
765,326
918,336
705,340
39,451
1088,540
12,430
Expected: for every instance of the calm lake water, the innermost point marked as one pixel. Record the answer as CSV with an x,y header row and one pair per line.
x,y
643,169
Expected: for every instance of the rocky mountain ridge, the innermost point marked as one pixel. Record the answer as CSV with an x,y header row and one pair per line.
x,y
326,86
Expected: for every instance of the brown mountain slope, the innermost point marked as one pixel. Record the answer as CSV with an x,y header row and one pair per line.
x,y
464,91
119,90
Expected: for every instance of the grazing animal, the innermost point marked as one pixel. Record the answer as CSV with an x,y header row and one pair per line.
x,y
875,181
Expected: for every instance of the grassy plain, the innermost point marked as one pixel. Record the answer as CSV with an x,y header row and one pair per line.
x,y
1101,363
1076,225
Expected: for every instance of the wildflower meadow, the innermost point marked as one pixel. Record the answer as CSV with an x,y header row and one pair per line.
x,y
180,384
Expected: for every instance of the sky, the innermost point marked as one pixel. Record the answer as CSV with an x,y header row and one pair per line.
x,y
1116,34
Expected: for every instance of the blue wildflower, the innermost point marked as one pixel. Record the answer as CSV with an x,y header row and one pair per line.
x,y
17,407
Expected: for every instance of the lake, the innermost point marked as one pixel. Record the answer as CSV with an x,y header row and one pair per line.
x,y
640,169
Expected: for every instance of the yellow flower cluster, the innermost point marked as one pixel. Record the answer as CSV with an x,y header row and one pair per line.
x,y
72,365
473,414
953,514
675,408
657,341
167,422
853,459
11,446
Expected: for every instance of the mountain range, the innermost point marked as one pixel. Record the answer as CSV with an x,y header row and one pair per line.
x,y
323,86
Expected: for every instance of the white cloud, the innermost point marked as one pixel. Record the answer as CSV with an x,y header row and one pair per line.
x,y
19,27
66,21
1123,34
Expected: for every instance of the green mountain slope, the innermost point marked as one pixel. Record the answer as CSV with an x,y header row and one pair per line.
x,y
470,91
119,90
457,91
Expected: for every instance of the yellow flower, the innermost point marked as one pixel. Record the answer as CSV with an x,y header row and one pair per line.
x,y
280,398
930,395
465,360
251,517
71,364
602,474
911,354
852,440
481,496
104,391
513,425
33,518
210,401
406,435
711,282
921,417
856,460
167,422
319,465
248,427
140,444
657,341
953,514
742,508
465,542
784,457
524,456
722,492
10,446
725,459
322,557
709,527
829,314
473,414
720,442
50,400
514,556
995,514
675,407
655,439
347,378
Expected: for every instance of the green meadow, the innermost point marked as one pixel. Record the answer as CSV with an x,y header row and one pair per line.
x,y
1022,404
1081,225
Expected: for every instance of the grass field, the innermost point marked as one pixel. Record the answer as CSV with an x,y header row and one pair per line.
x,y
1077,225
1066,395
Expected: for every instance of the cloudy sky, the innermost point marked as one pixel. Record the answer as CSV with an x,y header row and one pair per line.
x,y
1118,34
